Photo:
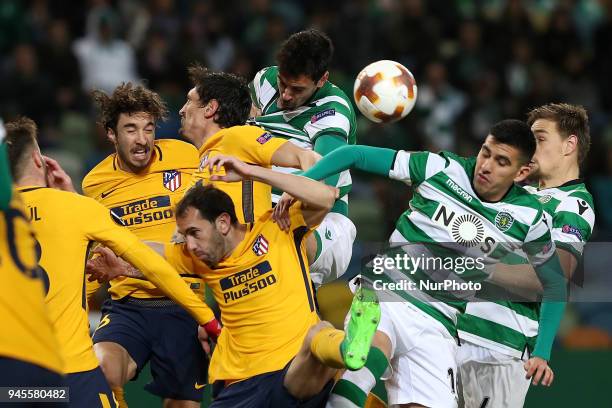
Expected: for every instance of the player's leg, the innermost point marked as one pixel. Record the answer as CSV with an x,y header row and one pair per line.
x,y
424,368
490,379
332,242
117,366
326,349
178,363
90,389
121,345
353,388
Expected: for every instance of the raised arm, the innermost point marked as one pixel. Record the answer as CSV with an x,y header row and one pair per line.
x,y
290,155
317,198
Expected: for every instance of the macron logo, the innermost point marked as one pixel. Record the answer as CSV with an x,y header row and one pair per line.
x,y
455,187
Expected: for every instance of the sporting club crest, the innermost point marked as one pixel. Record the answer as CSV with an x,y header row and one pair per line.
x,y
503,221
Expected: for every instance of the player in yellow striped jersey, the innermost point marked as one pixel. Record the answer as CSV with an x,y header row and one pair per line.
x,y
28,346
66,224
141,182
213,119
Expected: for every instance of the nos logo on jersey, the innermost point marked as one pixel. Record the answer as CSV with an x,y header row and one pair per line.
x,y
260,247
466,229
172,180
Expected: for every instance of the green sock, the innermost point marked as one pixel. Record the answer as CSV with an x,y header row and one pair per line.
x,y
354,386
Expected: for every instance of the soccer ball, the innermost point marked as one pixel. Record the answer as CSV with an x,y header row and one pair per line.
x,y
385,91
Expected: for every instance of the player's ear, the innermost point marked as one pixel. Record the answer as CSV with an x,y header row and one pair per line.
x,y
223,223
522,174
570,144
323,79
37,158
110,133
211,108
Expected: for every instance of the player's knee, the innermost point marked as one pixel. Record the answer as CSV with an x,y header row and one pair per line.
x,y
383,343
115,364
112,372
315,329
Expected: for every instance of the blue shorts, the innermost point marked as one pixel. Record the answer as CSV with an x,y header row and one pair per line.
x,y
162,333
17,373
265,391
89,389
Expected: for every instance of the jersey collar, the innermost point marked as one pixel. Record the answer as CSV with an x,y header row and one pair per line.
x,y
25,189
566,184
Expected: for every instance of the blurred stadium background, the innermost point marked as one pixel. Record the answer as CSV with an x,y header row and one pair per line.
x,y
475,62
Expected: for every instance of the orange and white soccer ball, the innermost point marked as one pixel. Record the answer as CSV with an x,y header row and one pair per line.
x,y
385,91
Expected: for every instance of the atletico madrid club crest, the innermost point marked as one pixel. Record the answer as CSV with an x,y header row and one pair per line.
x,y
172,180
260,247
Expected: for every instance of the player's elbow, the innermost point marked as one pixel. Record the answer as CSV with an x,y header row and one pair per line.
x,y
331,194
307,158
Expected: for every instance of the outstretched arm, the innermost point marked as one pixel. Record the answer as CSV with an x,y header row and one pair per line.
x,y
367,158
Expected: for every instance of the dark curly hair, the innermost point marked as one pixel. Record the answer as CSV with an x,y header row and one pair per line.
x,y
230,91
128,98
20,139
307,53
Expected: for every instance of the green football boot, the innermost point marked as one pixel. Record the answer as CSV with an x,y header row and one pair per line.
x,y
365,315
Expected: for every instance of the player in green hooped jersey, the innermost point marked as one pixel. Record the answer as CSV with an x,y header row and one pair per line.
x,y
296,101
466,201
498,337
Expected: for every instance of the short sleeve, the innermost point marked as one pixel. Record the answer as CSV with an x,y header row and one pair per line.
x,y
538,244
415,167
253,145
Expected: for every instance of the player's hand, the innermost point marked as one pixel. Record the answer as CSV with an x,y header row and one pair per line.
x,y
203,338
235,169
538,369
280,215
105,265
57,177
209,331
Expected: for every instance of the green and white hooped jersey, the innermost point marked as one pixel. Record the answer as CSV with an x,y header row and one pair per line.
x,y
446,209
510,327
329,111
